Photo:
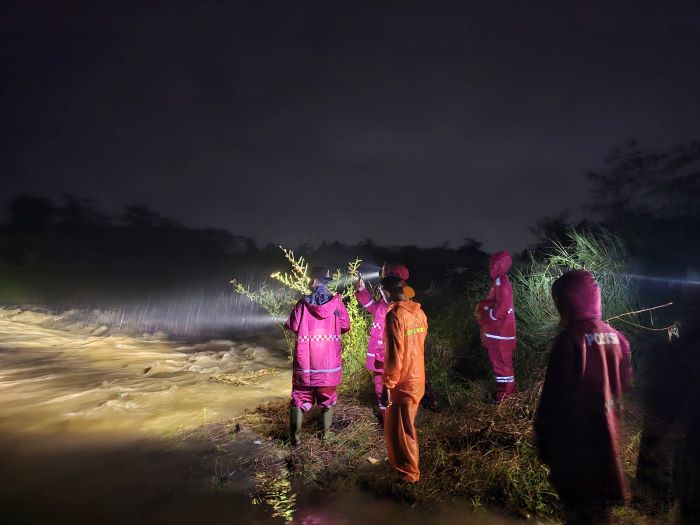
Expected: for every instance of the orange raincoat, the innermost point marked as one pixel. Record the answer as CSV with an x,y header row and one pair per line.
x,y
404,377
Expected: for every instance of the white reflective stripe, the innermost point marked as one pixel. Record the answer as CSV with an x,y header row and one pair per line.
x,y
321,337
491,336
370,355
312,371
491,314
498,281
505,379
368,304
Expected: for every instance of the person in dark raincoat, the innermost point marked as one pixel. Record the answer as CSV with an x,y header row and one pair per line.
x,y
577,420
668,465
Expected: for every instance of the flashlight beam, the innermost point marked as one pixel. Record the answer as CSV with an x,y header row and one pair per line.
x,y
672,280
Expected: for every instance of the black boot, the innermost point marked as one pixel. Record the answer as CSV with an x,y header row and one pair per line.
x,y
326,420
296,417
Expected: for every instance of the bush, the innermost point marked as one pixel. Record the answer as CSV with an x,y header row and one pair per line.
x,y
278,298
455,350
601,253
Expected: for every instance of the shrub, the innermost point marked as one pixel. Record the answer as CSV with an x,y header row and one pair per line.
x,y
601,253
278,298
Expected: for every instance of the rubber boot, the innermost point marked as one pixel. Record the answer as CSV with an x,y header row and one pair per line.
x,y
296,417
326,420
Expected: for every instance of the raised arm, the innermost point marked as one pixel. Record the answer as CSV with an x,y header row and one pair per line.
x,y
364,298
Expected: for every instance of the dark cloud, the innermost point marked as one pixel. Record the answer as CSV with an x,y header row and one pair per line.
x,y
406,122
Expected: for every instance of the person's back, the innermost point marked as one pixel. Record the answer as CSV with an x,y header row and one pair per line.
x,y
317,355
318,321
577,420
404,378
405,366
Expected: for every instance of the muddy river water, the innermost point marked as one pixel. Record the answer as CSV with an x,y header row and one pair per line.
x,y
91,425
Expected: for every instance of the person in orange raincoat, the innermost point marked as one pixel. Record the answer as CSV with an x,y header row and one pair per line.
x,y
404,377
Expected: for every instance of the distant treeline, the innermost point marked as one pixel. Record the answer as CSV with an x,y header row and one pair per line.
x,y
69,251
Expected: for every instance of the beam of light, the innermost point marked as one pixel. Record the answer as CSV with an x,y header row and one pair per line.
x,y
659,279
190,314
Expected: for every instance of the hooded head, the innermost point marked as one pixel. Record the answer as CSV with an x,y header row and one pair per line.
x,y
396,270
499,264
320,294
577,297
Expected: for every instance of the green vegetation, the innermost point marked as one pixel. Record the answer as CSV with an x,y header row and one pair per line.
x,y
278,298
601,253
470,450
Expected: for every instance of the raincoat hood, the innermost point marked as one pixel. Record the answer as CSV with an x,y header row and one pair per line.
x,y
320,295
325,310
499,264
577,297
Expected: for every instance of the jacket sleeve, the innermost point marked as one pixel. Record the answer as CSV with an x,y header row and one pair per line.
x,y
294,318
364,298
504,299
393,350
344,318
626,364
556,394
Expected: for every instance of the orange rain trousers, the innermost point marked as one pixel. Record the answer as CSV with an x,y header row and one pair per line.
x,y
404,377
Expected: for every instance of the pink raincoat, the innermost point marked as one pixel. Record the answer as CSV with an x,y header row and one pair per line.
x,y
497,325
375,346
496,316
318,353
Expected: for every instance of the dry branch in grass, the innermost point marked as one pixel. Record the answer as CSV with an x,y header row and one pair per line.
x,y
244,378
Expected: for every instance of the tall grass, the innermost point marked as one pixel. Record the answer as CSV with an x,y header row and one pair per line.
x,y
601,253
455,353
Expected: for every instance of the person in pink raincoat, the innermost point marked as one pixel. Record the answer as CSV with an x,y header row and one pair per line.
x,y
496,320
375,346
577,424
318,320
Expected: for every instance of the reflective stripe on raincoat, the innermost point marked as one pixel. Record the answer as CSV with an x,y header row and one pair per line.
x,y
317,359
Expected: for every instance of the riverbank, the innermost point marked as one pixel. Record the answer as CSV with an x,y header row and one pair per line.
x,y
475,455
114,428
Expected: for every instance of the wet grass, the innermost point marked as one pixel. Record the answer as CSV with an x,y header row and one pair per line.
x,y
475,452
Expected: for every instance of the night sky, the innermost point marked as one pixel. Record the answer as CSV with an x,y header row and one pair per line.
x,y
406,122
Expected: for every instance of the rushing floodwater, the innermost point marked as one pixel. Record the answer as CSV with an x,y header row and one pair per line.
x,y
91,426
